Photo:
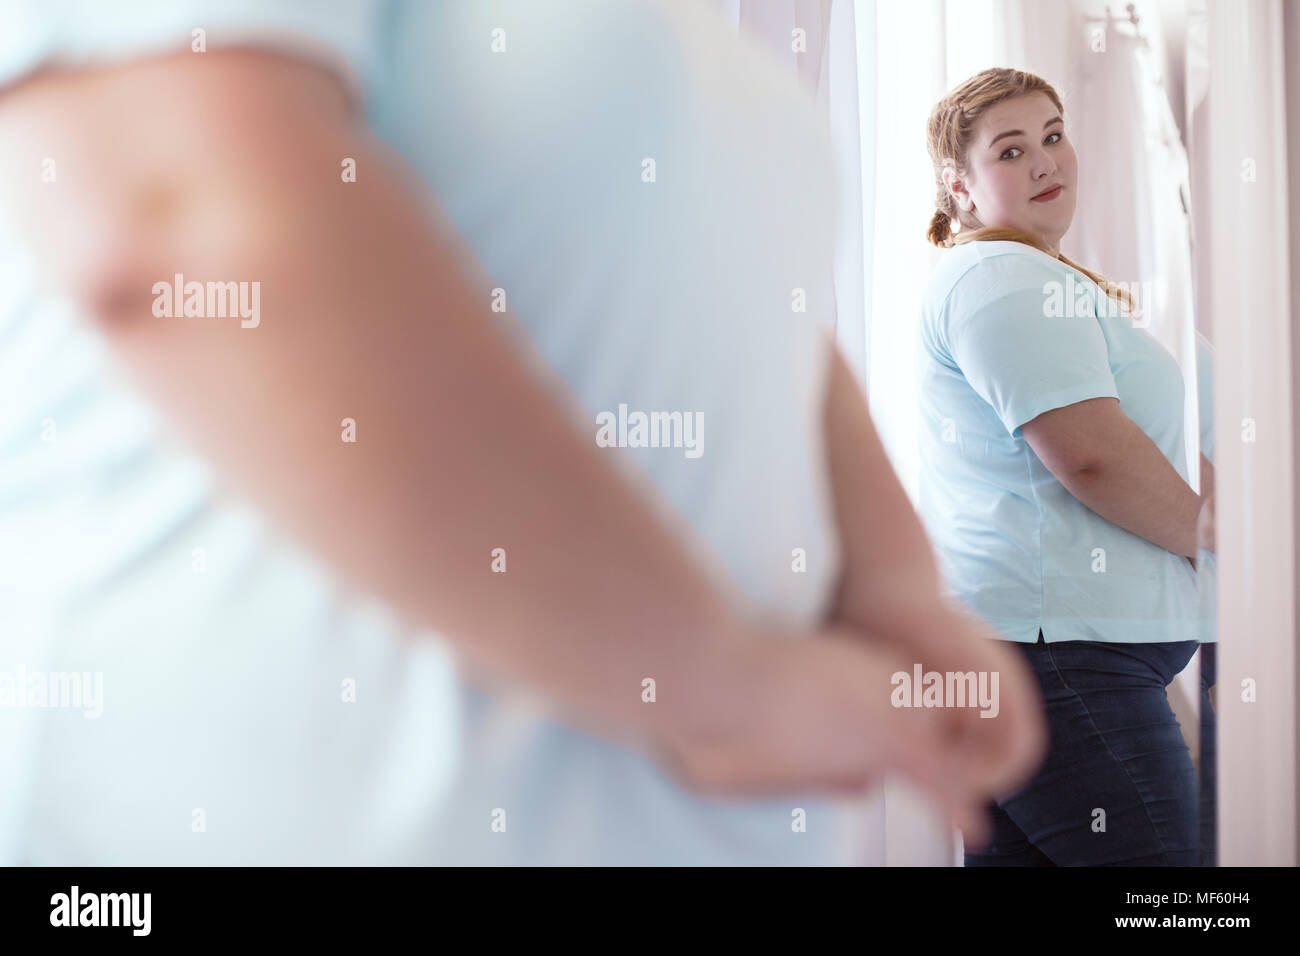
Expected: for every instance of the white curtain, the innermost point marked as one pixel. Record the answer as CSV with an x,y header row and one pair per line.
x,y
1247,220
816,41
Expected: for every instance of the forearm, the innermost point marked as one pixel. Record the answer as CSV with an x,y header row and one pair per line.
x,y
889,583
1135,487
368,313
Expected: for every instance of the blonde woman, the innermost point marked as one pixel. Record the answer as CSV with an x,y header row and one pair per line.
x,y
1053,483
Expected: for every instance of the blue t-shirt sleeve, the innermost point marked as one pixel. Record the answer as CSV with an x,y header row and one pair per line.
x,y
1015,353
76,33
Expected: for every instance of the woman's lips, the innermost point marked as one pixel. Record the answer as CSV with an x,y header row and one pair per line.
x,y
1049,195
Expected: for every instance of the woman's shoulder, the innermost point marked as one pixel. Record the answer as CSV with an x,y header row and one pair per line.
x,y
974,273
1005,259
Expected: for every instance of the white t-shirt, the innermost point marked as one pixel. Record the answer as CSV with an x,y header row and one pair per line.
x,y
649,195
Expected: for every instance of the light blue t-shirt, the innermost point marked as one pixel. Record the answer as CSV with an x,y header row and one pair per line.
x,y
1007,333
661,285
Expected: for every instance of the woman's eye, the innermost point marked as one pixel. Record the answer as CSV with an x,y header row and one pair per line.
x,y
1054,138
1012,149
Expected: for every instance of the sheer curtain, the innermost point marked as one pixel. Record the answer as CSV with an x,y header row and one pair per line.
x,y
816,40
903,70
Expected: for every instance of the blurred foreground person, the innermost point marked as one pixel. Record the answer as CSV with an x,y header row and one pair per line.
x,y
467,283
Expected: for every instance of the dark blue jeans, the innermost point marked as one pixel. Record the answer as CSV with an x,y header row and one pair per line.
x,y
1209,760
1118,787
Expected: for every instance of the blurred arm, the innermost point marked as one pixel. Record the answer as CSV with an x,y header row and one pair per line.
x,y
890,592
226,167
890,584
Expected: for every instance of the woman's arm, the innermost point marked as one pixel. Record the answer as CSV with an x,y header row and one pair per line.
x,y
225,167
1205,521
1109,464
889,591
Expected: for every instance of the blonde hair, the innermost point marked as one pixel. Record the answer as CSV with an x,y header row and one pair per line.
x,y
949,134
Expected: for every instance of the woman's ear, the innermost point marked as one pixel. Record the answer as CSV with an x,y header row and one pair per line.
x,y
957,187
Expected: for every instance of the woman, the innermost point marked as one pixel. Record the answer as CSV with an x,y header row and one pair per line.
x,y
1053,483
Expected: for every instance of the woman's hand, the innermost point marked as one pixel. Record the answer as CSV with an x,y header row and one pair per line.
x,y
991,756
815,712
889,606
1205,523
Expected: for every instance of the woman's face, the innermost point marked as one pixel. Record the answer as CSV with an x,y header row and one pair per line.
x,y
1022,170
